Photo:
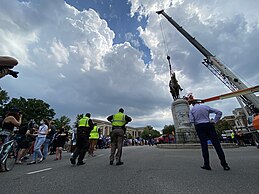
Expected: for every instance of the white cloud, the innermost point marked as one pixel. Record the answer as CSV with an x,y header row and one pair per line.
x,y
72,63
227,29
68,58
132,39
59,52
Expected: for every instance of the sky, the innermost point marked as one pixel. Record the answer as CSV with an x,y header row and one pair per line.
x,y
100,55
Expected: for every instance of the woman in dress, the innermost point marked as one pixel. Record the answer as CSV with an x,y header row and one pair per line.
x,y
59,141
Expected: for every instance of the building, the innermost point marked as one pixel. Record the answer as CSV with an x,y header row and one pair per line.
x,y
106,129
230,120
240,118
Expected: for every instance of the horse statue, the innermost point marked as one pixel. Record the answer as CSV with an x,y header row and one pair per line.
x,y
174,87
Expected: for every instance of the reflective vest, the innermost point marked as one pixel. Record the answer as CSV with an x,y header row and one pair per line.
x,y
94,133
84,122
118,120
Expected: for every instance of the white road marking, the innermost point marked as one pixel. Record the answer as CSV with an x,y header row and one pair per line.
x,y
39,171
46,169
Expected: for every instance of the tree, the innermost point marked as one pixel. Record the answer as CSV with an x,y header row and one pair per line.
x,y
149,130
168,129
31,109
3,97
78,117
221,126
129,136
63,121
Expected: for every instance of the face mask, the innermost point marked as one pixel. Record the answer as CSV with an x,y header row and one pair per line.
x,y
42,122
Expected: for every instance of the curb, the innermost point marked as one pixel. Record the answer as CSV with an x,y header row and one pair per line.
x,y
193,146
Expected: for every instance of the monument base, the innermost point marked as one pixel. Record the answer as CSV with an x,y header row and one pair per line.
x,y
184,130
186,135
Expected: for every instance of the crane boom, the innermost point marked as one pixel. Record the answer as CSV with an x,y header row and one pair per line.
x,y
220,70
232,94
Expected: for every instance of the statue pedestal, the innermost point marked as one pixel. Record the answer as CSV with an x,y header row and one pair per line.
x,y
184,130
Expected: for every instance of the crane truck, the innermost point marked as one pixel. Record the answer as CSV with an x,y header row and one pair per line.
x,y
245,96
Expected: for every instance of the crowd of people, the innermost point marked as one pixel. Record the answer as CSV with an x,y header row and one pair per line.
x,y
37,141
32,139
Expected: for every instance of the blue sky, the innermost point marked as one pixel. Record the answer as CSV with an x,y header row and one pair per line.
x,y
94,60
117,15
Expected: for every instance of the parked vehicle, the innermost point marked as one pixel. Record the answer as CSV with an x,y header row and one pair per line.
x,y
249,137
164,139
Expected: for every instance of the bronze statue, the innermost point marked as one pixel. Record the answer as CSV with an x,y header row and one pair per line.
x,y
174,87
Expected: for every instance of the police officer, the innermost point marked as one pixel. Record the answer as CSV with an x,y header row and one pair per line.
x,y
118,121
199,116
85,125
94,136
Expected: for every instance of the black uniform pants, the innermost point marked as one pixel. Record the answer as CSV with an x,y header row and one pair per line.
x,y
82,145
205,132
117,135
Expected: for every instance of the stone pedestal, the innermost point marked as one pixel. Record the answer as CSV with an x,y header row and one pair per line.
x,y
184,130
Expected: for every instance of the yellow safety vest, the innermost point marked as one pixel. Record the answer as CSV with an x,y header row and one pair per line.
x,y
83,122
94,133
118,120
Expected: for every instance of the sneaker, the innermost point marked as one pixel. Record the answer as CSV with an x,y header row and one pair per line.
x,y
80,163
40,160
226,168
206,167
18,162
56,159
32,162
73,161
119,163
24,158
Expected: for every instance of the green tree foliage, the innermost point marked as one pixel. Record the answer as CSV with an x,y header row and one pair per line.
x,y
3,97
129,136
31,109
78,117
221,126
168,129
63,121
149,130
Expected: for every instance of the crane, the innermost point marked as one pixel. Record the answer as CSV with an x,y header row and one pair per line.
x,y
221,71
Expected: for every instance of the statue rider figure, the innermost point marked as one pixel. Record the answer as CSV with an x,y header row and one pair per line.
x,y
174,87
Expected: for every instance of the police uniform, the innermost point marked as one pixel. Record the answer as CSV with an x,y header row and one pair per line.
x,y
94,136
85,126
118,121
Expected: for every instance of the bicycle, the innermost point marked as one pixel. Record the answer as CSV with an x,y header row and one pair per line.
x,y
8,155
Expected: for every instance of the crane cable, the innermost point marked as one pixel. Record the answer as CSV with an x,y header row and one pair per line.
x,y
166,48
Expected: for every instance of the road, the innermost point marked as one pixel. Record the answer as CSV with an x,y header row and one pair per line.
x,y
146,169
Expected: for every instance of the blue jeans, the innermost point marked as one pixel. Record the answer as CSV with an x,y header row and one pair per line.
x,y
37,145
46,147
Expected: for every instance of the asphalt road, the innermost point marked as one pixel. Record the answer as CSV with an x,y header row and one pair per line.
x,y
146,169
